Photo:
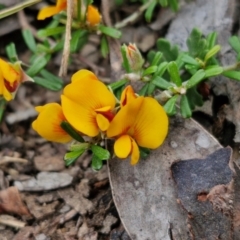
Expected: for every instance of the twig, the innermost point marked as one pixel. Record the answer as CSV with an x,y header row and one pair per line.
x,y
133,16
7,159
12,222
66,50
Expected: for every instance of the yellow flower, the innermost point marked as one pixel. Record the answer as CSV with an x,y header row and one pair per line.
x,y
128,95
48,123
141,122
11,76
93,16
88,104
52,10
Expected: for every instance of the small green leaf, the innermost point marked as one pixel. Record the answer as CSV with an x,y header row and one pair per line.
x,y
71,131
211,40
190,60
156,59
173,5
232,74
170,53
51,77
58,47
126,64
96,163
185,107
161,69
144,152
174,73
71,157
37,66
79,38
151,88
143,90
11,52
170,106
194,98
79,146
161,83
104,46
50,31
235,43
196,78
163,3
112,32
213,71
100,152
150,70
53,86
3,104
149,11
212,52
118,84
29,40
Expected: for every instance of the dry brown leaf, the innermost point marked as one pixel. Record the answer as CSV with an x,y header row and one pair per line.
x,y
11,202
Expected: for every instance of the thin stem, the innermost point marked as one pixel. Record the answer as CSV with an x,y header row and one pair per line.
x,y
3,103
133,16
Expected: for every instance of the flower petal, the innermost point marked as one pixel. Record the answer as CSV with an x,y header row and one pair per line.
x,y
135,154
83,74
127,95
90,94
151,124
8,72
82,119
48,123
48,12
93,16
102,122
123,146
125,118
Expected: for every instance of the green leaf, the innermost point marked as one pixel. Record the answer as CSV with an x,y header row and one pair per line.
x,y
151,88
71,157
194,98
112,32
232,74
196,78
144,152
173,5
118,84
185,107
126,64
211,39
71,131
156,59
53,86
196,44
100,152
163,3
143,90
213,71
161,83
11,52
96,163
104,47
29,40
161,69
149,11
50,31
235,43
150,70
79,146
74,43
212,52
37,66
174,73
3,104
170,53
170,106
52,78
58,47
190,60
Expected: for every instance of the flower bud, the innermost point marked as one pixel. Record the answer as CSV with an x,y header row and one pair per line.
x,y
134,57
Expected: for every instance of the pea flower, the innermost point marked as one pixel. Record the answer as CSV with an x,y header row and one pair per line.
x,y
93,17
47,124
50,11
88,104
127,95
141,122
11,76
